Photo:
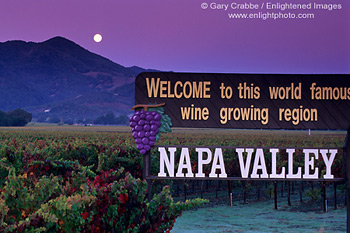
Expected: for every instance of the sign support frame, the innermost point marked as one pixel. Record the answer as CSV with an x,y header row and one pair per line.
x,y
346,171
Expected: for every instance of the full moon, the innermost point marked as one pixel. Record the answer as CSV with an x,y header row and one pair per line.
x,y
97,38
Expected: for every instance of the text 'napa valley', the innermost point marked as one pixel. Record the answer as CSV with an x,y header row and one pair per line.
x,y
252,163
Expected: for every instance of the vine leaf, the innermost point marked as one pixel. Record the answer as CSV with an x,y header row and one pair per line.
x,y
165,122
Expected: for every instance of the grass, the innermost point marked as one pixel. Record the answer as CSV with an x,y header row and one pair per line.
x,y
259,217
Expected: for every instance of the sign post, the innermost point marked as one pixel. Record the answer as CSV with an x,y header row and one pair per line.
x,y
147,173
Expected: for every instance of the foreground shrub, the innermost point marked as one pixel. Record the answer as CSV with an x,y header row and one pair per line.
x,y
113,201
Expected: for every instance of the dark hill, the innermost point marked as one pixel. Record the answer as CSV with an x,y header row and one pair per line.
x,y
58,78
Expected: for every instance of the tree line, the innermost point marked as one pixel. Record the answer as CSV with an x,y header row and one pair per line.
x,y
110,119
17,117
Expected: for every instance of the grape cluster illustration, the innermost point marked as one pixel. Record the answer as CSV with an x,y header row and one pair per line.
x,y
147,126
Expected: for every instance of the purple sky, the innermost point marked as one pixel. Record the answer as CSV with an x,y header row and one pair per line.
x,y
178,35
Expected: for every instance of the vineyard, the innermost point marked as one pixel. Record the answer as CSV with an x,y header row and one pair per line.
x,y
89,179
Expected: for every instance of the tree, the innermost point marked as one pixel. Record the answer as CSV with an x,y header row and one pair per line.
x,y
17,117
108,119
3,119
122,120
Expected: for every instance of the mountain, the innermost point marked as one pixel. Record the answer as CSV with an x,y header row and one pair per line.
x,y
59,79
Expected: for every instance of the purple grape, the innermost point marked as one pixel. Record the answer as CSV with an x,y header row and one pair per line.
x,y
149,117
141,122
157,123
154,113
139,146
130,118
137,113
147,134
138,140
135,135
157,117
136,118
152,138
143,151
147,113
143,116
147,147
146,128
141,134
147,122
133,124
153,133
151,143
154,127
138,127
145,141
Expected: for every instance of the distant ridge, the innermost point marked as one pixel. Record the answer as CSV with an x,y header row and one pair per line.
x,y
59,79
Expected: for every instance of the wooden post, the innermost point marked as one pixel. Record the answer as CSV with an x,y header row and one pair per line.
x,y
289,193
244,192
346,171
145,166
146,173
324,197
275,193
302,186
217,189
335,195
202,192
301,191
282,187
229,191
192,186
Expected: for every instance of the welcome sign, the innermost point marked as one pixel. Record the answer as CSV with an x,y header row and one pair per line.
x,y
249,101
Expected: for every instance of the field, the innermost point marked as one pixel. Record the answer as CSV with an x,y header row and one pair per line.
x,y
259,217
87,179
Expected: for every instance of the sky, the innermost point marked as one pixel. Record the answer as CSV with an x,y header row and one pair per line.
x,y
181,36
